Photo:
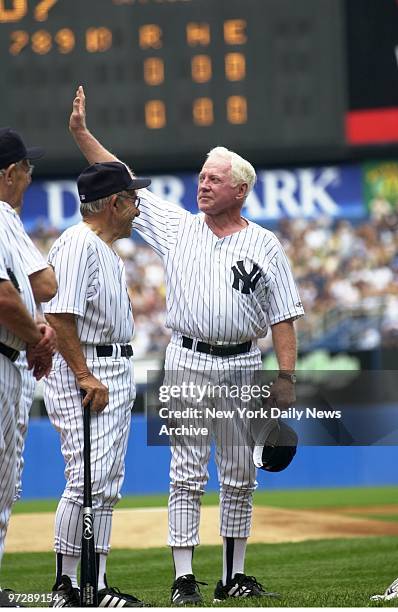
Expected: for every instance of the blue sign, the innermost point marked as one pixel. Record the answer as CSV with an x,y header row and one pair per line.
x,y
334,191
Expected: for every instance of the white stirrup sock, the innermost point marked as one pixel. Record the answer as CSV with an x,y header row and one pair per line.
x,y
102,559
182,558
234,551
67,566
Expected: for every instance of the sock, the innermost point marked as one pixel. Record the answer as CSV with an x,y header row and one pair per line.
x,y
101,566
182,558
67,566
234,550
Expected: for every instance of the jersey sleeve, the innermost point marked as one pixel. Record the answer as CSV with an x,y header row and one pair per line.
x,y
158,221
3,264
284,299
32,260
76,269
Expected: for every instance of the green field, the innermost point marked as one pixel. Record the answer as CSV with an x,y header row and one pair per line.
x,y
326,573
300,499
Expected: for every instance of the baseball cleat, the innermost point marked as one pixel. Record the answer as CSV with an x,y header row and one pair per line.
x,y
241,586
64,595
111,597
185,591
390,593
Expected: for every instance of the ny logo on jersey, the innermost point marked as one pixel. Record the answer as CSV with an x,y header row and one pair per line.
x,y
249,279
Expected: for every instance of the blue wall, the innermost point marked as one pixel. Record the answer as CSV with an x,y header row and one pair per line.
x,y
147,468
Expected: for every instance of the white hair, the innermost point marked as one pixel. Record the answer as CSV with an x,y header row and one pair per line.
x,y
91,208
241,170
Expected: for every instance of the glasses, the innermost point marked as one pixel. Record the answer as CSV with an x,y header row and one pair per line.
x,y
134,200
27,166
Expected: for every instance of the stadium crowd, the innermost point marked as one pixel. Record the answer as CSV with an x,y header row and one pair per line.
x,y
344,271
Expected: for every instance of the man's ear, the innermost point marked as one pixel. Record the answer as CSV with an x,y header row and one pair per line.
x,y
9,174
243,189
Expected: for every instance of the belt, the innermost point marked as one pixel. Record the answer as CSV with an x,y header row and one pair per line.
x,y
217,350
9,352
106,350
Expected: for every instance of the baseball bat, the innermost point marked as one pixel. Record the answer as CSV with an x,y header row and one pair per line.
x,y
88,562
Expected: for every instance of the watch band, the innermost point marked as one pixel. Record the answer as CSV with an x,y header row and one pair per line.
x,y
290,377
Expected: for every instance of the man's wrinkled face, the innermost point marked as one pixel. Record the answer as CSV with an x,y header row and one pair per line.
x,y
216,193
127,211
20,174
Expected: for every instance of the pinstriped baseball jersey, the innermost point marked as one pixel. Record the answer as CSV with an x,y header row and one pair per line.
x,y
227,289
90,275
12,268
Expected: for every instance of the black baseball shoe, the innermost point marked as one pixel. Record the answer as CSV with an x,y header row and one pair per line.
x,y
241,586
111,597
185,591
8,599
64,595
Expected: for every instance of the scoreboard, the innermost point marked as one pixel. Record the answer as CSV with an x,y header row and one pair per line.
x,y
166,80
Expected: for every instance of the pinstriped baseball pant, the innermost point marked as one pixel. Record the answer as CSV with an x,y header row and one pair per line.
x,y
189,461
109,437
10,393
25,404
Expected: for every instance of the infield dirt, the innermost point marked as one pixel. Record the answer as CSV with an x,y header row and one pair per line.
x,y
147,527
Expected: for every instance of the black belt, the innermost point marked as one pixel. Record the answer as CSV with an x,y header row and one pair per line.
x,y
106,350
217,350
9,352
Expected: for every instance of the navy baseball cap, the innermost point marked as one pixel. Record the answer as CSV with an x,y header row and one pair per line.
x,y
13,148
102,180
277,454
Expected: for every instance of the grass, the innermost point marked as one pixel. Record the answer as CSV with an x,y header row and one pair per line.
x,y
300,499
325,573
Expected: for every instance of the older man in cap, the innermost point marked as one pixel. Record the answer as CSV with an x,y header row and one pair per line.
x,y
26,279
92,316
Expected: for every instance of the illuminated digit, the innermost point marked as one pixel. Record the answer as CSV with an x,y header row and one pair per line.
x,y
65,40
198,34
235,66
155,114
201,68
98,40
203,113
41,42
19,40
237,110
18,10
42,9
150,37
234,32
154,71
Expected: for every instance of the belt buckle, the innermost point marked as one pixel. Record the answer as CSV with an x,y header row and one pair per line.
x,y
211,349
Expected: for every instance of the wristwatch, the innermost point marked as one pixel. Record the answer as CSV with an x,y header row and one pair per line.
x,y
291,377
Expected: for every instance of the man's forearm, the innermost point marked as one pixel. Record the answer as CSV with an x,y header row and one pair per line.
x,y
69,342
91,148
44,284
15,316
285,345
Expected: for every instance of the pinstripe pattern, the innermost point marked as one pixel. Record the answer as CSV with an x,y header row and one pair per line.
x,y
10,391
10,260
25,404
10,378
92,286
91,280
201,302
210,297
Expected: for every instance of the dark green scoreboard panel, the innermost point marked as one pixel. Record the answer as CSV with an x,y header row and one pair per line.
x,y
168,79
